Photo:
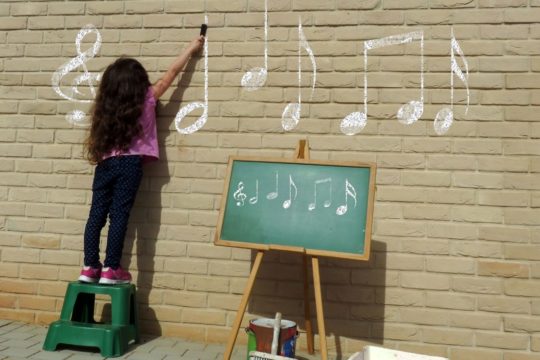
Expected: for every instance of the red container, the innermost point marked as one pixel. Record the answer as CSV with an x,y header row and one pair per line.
x,y
264,331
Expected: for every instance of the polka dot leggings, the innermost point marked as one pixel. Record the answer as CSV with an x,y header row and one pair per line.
x,y
116,181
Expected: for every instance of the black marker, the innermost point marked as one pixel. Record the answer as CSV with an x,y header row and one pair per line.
x,y
203,29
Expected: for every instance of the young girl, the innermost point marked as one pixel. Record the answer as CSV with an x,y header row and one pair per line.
x,y
122,137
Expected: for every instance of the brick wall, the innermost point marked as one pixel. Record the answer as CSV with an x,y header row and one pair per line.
x,y
454,268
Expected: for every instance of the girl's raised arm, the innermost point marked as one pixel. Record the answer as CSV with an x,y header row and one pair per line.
x,y
178,64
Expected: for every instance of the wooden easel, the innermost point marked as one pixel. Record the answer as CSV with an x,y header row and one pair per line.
x,y
302,152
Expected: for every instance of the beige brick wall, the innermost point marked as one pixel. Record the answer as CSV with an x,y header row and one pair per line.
x,y
454,268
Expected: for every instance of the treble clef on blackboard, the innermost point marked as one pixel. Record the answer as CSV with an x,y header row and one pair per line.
x,y
239,194
76,116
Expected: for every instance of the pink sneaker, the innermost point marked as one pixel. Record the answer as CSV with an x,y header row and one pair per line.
x,y
118,276
90,274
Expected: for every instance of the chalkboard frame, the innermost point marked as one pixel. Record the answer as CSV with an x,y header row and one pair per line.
x,y
313,252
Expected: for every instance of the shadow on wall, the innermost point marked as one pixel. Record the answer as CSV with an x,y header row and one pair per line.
x,y
147,217
353,295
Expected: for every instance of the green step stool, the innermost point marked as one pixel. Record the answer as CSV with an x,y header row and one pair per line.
x,y
78,327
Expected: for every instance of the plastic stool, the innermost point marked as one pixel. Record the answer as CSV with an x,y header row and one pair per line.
x,y
78,327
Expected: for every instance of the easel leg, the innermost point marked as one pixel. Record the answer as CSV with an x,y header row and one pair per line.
x,y
307,312
319,306
243,305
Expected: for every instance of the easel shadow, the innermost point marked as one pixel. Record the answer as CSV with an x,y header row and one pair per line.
x,y
146,216
353,297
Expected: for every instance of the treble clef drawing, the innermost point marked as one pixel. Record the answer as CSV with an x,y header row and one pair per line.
x,y
239,194
77,117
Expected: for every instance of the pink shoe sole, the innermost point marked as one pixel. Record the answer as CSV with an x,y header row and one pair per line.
x,y
112,281
87,279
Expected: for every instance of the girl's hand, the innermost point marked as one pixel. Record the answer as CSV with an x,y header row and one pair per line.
x,y
178,64
196,45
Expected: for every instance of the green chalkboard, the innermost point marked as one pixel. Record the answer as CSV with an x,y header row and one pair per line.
x,y
317,207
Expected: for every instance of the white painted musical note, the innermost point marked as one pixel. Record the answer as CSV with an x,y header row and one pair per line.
x,y
199,123
239,194
274,194
287,203
255,78
292,112
408,113
253,200
312,206
445,116
77,117
349,191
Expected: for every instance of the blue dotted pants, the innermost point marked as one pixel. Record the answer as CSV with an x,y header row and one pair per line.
x,y
116,181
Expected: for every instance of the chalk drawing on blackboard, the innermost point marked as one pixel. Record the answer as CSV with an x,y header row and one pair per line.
x,y
320,232
287,203
253,200
293,111
77,117
445,116
349,191
408,113
323,186
255,78
239,194
326,184
274,194
199,123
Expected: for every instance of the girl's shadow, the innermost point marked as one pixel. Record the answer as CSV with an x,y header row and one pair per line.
x,y
147,213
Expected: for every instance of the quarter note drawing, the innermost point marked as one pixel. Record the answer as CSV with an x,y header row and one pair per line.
x,y
445,116
253,200
287,203
239,194
408,113
350,191
328,182
274,194
292,112
255,78
199,123
77,117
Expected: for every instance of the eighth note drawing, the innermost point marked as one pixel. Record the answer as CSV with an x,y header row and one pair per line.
x,y
77,117
199,123
408,113
312,206
291,114
287,203
255,78
445,116
349,191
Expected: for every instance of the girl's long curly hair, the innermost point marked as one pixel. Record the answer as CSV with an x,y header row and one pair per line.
x,y
116,111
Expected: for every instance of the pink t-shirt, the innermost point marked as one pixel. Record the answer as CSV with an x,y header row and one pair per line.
x,y
146,143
